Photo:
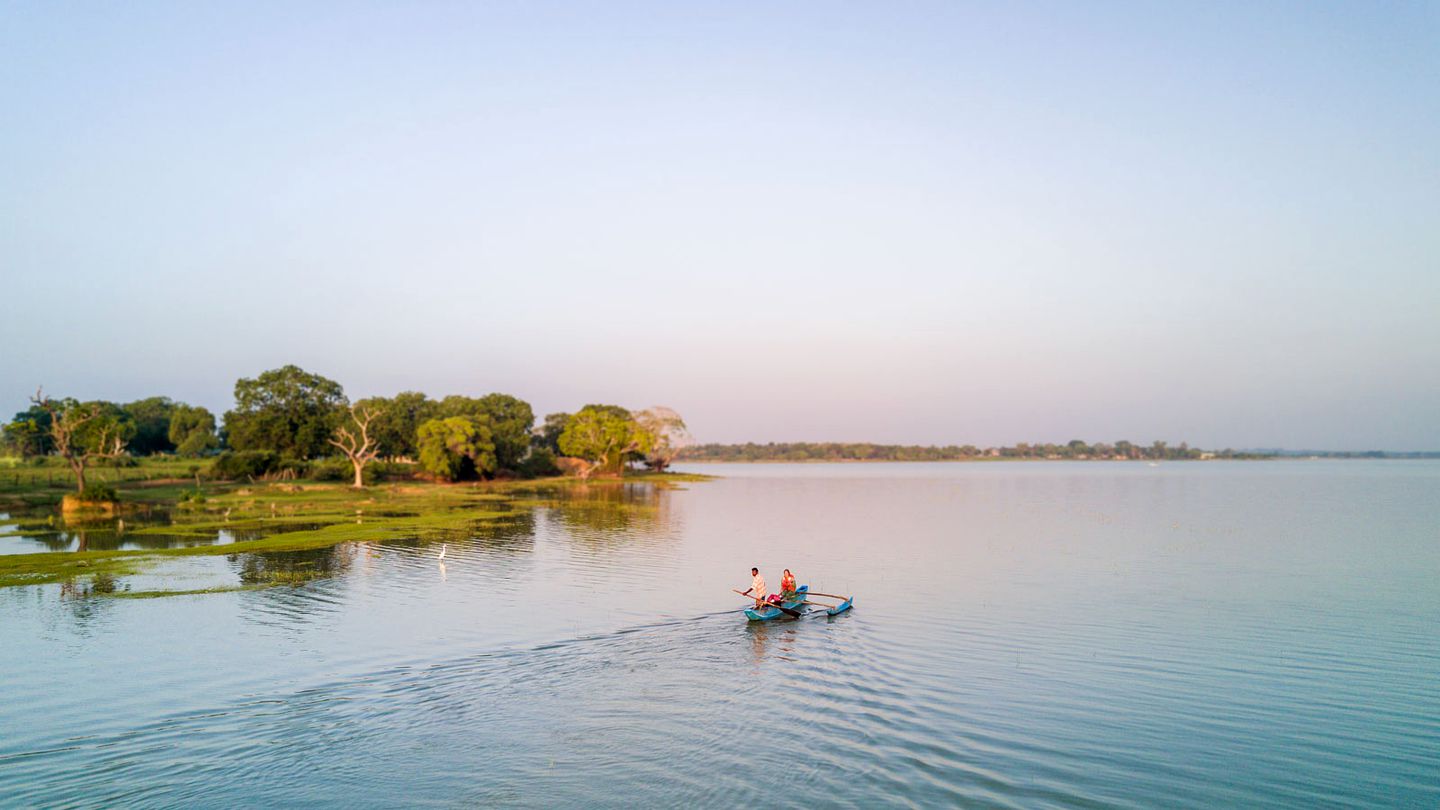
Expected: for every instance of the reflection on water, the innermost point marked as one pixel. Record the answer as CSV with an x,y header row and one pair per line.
x,y
1025,635
606,513
296,567
42,531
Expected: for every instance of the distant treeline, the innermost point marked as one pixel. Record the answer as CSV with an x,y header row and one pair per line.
x,y
865,451
1418,454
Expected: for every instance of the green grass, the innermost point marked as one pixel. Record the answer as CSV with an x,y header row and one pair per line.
x,y
669,477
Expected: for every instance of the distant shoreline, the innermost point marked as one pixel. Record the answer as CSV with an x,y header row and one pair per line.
x,y
1425,456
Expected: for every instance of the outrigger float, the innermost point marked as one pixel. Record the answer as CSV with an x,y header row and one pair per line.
x,y
795,608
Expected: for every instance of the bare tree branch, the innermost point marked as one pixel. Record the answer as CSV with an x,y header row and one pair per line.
x,y
66,421
360,449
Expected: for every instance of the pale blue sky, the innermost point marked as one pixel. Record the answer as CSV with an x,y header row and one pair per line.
x,y
899,222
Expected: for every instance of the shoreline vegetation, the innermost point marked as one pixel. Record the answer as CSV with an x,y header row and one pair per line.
x,y
263,517
294,466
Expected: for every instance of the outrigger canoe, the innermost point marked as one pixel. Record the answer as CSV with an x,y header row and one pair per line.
x,y
768,612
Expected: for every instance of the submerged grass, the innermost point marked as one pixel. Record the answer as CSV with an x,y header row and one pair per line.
x,y
190,592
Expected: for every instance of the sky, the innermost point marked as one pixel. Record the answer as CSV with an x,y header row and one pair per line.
x,y
895,222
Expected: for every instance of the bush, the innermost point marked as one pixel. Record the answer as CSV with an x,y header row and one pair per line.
x,y
98,493
244,464
332,469
391,470
540,463
292,468
340,469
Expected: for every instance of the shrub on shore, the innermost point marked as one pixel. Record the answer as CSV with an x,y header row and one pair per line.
x,y
234,465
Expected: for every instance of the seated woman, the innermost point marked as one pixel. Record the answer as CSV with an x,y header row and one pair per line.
x,y
787,586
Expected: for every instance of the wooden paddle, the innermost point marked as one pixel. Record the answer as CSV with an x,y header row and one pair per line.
x,y
795,614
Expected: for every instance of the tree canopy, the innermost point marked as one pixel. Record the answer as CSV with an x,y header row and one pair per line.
x,y
397,421
457,447
28,434
288,410
547,434
509,419
84,431
192,430
670,436
605,435
151,418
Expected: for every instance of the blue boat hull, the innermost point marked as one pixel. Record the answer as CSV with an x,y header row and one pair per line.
x,y
765,614
841,608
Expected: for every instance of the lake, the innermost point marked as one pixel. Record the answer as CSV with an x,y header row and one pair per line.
x,y
1025,634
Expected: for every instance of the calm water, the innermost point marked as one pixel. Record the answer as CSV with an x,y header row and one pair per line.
x,y
1025,635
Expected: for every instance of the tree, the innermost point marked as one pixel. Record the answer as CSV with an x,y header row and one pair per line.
x,y
670,436
547,435
604,435
397,420
82,432
357,444
287,410
152,425
28,434
510,420
192,430
456,447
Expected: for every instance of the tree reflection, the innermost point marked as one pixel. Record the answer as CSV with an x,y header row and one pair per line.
x,y
295,567
81,532
78,594
605,511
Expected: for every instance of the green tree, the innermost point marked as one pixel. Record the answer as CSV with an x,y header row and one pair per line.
x,y
192,430
547,435
457,447
287,410
605,435
457,405
510,419
28,434
397,421
84,432
151,418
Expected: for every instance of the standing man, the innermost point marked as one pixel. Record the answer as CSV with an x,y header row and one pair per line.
x,y
757,588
